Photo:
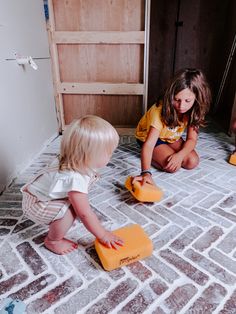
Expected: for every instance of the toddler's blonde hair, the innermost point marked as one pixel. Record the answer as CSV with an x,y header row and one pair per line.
x,y
85,140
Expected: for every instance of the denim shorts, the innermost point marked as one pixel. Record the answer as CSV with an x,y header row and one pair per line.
x,y
159,142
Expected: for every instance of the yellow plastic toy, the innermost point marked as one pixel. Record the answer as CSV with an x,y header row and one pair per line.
x,y
144,193
232,159
136,246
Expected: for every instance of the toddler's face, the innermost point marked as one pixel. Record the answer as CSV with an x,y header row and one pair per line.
x,y
102,160
184,100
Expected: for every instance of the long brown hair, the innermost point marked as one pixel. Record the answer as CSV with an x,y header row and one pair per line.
x,y
195,81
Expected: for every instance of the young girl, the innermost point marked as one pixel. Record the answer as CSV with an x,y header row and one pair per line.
x,y
159,132
59,194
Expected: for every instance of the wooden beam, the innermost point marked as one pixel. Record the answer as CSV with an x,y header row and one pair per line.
x,y
55,68
106,37
100,88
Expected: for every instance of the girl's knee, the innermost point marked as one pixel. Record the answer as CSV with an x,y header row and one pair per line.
x,y
191,162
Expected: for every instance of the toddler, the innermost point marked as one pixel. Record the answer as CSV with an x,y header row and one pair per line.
x,y
59,195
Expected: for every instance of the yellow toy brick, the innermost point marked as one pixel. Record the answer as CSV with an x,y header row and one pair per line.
x,y
144,193
136,246
232,159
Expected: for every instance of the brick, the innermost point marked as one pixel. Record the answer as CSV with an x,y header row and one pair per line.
x,y
113,297
151,214
162,269
22,225
151,229
4,231
223,260
9,205
116,274
104,196
230,305
39,239
229,202
186,238
8,222
132,214
172,201
211,200
211,267
158,286
209,300
82,298
9,259
11,196
111,212
13,282
229,242
59,263
179,298
224,214
171,216
208,238
193,199
139,271
83,265
214,218
10,213
165,236
27,233
158,310
54,295
139,303
31,258
197,220
214,186
185,267
34,287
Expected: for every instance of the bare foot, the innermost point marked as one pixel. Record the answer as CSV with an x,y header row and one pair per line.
x,y
61,247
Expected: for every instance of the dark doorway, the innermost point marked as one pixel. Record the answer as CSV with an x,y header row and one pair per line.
x,y
193,33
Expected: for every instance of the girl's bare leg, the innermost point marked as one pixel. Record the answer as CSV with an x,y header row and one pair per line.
x,y
163,151
55,240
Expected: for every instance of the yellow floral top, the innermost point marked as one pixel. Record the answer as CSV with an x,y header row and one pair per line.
x,y
153,118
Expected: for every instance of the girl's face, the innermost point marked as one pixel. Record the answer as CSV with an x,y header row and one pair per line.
x,y
184,100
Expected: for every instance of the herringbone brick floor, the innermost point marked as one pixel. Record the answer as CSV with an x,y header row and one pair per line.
x,y
193,266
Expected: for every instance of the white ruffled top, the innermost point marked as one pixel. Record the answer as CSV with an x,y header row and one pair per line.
x,y
54,184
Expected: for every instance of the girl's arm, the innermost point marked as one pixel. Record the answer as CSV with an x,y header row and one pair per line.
x,y
90,220
191,141
146,155
174,162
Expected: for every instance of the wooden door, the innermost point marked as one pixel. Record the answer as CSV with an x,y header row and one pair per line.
x,y
98,49
187,33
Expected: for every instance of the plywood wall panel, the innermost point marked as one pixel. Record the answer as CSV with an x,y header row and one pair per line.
x,y
101,52
122,110
101,63
94,15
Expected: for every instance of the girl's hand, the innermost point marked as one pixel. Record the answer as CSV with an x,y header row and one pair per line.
x,y
145,178
111,240
174,162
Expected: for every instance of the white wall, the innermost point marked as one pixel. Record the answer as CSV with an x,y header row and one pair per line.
x,y
27,107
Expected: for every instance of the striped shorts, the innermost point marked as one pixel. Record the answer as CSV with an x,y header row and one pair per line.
x,y
43,212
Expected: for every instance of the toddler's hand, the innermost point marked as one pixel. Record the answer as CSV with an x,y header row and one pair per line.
x,y
111,240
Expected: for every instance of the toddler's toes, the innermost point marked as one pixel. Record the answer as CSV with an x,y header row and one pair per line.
x,y
60,247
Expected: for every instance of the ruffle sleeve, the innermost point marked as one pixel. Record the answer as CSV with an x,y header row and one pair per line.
x,y
64,183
